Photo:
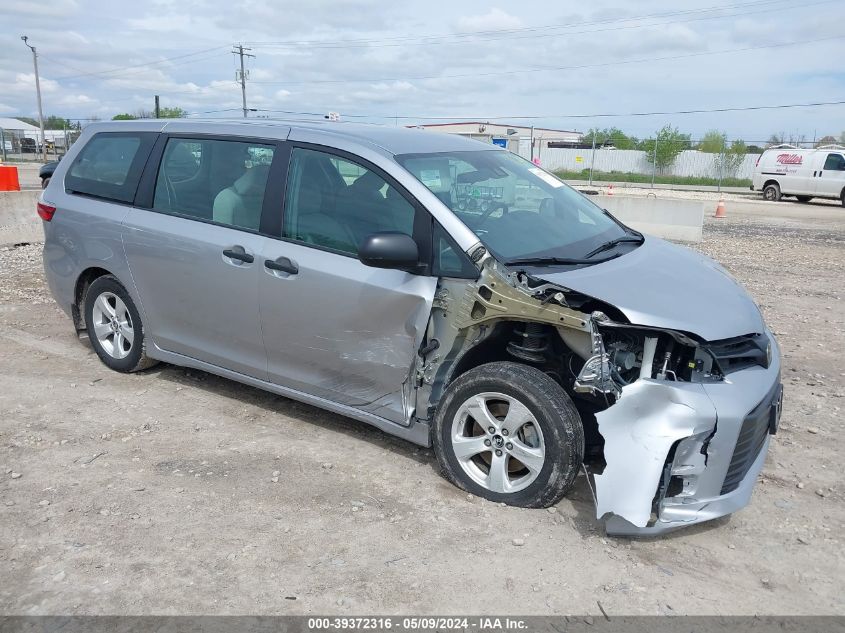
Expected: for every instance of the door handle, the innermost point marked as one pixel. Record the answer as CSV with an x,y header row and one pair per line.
x,y
282,264
240,254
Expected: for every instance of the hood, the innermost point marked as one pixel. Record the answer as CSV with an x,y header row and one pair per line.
x,y
663,285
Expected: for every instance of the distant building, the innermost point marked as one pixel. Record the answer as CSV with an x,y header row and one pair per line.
x,y
13,130
516,138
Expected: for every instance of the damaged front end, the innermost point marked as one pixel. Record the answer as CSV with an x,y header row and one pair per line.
x,y
676,427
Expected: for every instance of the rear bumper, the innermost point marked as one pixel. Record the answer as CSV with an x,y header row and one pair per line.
x,y
717,448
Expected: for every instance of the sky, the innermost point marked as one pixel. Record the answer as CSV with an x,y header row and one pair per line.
x,y
401,63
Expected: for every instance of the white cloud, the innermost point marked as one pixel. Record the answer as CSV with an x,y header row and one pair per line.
x,y
494,20
58,8
116,48
26,81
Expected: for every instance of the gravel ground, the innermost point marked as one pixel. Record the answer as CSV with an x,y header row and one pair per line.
x,y
177,492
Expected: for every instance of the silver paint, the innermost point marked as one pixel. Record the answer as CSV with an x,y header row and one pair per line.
x,y
668,286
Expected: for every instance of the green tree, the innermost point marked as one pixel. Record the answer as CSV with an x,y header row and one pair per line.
x,y
172,113
51,122
732,158
609,136
713,142
662,150
141,113
728,157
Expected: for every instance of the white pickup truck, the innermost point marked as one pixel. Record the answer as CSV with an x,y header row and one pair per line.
x,y
785,170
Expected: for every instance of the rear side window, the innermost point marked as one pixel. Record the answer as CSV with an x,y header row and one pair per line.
x,y
214,180
110,165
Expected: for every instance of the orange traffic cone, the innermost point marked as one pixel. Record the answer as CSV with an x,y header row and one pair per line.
x,y
610,190
720,208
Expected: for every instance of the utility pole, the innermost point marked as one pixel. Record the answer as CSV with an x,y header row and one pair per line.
x,y
239,49
157,109
38,92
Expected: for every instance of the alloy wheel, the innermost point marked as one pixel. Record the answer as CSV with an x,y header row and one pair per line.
x,y
113,325
498,442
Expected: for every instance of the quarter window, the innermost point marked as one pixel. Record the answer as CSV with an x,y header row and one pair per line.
x,y
834,162
220,181
335,203
110,165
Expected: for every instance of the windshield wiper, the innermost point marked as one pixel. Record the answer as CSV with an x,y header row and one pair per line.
x,y
639,239
555,261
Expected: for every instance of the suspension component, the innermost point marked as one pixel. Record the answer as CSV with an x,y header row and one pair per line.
x,y
531,344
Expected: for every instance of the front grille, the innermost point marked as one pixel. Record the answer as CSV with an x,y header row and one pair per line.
x,y
741,352
752,437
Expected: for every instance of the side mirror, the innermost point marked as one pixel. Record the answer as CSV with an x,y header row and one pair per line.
x,y
389,250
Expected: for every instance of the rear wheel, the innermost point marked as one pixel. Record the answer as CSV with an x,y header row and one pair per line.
x,y
804,198
114,326
509,433
771,192
842,197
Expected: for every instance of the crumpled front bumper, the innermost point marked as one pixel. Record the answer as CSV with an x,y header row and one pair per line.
x,y
683,453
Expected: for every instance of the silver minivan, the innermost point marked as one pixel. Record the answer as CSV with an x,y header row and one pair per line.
x,y
446,291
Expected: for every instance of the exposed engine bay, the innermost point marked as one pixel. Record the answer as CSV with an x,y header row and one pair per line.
x,y
648,421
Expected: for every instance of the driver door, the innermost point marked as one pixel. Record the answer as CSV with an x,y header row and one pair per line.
x,y
333,327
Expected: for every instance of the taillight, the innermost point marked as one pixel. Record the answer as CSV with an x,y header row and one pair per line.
x,y
46,211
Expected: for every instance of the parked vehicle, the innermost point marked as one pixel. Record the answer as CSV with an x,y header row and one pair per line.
x,y
343,266
28,145
46,172
785,170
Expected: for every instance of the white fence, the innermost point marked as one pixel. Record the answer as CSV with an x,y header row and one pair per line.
x,y
687,163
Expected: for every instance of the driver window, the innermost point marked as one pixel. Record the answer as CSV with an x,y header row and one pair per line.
x,y
335,203
834,162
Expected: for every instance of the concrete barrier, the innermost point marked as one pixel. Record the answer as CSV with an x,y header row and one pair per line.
x,y
680,220
18,220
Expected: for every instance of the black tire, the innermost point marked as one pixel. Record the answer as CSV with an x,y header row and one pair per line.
x,y
804,198
842,197
135,358
551,408
771,192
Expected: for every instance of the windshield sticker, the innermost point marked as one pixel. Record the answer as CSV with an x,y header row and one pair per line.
x,y
545,177
430,178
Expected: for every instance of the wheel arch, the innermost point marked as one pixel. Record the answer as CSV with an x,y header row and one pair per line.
x,y
83,282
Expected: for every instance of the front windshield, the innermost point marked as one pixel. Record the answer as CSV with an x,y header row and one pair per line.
x,y
517,210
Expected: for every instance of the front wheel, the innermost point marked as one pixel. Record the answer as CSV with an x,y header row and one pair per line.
x,y
772,192
509,433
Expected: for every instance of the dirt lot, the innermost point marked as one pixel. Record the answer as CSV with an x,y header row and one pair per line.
x,y
156,492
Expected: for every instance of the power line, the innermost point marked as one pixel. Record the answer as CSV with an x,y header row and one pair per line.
x,y
434,38
780,106
145,64
555,68
534,36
